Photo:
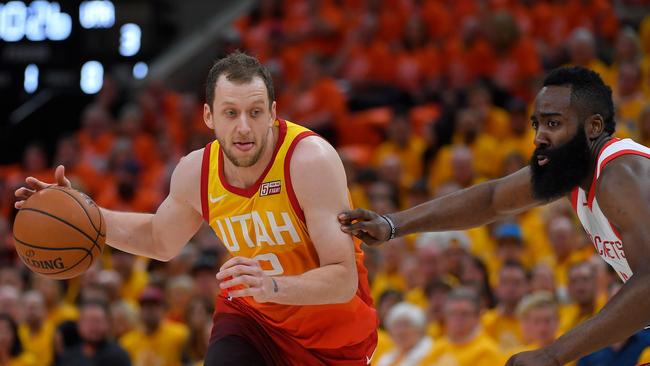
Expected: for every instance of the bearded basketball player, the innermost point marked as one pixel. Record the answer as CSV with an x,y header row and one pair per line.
x,y
607,181
295,291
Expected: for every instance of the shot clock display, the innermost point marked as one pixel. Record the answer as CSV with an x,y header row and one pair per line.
x,y
69,44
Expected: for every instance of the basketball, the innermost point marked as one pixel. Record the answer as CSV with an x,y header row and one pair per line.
x,y
59,232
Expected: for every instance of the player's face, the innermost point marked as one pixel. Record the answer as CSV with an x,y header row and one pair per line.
x,y
561,159
242,118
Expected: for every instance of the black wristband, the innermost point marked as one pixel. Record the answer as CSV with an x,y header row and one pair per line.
x,y
393,228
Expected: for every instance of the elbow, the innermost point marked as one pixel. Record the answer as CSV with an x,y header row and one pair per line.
x,y
163,256
349,289
163,252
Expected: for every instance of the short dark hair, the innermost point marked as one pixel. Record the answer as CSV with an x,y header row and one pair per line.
x,y
589,94
17,346
241,68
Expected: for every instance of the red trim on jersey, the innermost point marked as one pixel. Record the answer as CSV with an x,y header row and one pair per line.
x,y
574,199
250,191
205,174
618,235
287,173
592,189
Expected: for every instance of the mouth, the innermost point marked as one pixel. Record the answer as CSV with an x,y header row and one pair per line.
x,y
542,160
244,146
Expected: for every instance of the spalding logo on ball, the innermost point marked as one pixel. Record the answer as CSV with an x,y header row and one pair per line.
x,y
59,232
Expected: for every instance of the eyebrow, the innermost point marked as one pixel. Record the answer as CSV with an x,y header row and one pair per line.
x,y
227,102
547,114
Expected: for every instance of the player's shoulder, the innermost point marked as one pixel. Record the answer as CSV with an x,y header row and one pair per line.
x,y
623,178
187,173
191,163
313,150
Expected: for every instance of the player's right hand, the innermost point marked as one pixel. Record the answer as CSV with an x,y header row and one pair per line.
x,y
34,185
366,225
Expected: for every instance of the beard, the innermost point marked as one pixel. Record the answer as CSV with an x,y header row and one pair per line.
x,y
243,162
567,166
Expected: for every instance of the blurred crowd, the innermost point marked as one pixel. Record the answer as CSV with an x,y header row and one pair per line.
x,y
421,98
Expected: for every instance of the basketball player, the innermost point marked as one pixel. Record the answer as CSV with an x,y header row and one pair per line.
x,y
295,291
607,181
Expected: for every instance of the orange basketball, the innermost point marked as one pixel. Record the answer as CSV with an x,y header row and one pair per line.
x,y
59,232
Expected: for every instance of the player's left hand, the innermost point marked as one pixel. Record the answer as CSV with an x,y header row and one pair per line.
x,y
248,277
540,357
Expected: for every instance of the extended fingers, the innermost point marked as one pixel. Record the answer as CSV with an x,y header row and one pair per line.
x,y
248,280
357,214
23,193
239,270
234,261
36,184
355,228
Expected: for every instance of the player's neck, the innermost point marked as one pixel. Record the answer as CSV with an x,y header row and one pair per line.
x,y
244,177
594,147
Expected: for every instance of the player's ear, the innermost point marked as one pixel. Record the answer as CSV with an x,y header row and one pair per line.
x,y
594,126
207,116
274,115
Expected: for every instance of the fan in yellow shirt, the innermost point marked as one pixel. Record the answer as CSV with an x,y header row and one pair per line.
x,y
540,319
134,275
160,342
464,344
485,150
36,334
582,52
583,292
11,349
57,310
408,148
629,99
501,323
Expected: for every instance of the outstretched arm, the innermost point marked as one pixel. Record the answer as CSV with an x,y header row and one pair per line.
x,y
470,207
159,236
320,185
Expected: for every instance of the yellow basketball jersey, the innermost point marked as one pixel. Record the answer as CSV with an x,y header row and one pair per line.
x,y
265,222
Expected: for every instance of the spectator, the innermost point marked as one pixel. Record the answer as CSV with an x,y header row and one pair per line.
x,y
57,310
540,319
36,333
11,348
501,323
95,348
406,325
583,293
158,342
464,344
124,318
10,302
199,319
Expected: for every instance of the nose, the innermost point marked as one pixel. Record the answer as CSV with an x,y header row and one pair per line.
x,y
243,125
541,139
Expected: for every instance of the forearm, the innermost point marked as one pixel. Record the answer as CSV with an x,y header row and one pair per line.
x,y
329,284
460,210
625,314
131,232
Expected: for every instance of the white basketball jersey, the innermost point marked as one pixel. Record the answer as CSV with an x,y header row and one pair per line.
x,y
601,232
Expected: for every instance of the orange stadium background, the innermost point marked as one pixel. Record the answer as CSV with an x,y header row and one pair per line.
x,y
420,98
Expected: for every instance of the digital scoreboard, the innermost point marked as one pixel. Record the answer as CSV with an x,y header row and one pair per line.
x,y
70,44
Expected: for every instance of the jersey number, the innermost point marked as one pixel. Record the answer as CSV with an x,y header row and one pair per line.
x,y
270,264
